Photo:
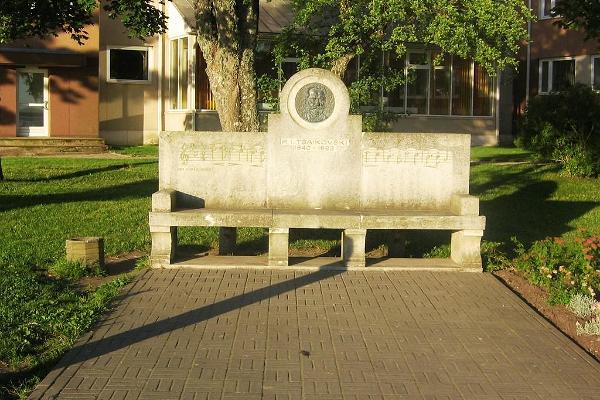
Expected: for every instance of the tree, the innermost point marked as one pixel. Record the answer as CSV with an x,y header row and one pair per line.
x,y
487,31
38,18
227,31
579,14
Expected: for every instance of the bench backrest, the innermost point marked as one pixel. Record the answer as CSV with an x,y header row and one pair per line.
x,y
314,156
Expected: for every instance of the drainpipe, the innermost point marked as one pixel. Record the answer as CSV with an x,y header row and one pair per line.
x,y
159,105
528,72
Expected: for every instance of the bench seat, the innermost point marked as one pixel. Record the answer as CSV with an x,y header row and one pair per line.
x,y
325,219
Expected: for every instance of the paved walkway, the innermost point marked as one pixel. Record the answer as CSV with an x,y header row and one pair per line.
x,y
251,334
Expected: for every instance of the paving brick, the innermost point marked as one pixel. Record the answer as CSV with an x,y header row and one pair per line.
x,y
236,334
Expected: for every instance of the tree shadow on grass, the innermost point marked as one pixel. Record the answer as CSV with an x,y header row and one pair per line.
x,y
529,215
133,190
84,172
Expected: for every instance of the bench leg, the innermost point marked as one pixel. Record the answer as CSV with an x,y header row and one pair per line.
x,y
353,247
465,249
278,246
164,241
227,238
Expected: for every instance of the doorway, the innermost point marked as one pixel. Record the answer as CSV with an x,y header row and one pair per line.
x,y
32,102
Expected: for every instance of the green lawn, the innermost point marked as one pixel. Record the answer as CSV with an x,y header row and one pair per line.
x,y
44,201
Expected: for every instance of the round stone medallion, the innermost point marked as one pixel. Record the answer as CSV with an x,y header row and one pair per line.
x,y
314,102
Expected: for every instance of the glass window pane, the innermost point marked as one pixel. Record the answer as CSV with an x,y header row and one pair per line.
x,y
173,84
204,98
289,67
393,96
596,77
417,90
263,60
31,87
547,7
440,88
128,64
183,73
418,59
30,117
461,87
563,74
545,74
484,92
351,73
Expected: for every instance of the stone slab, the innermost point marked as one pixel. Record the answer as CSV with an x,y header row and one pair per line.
x,y
326,219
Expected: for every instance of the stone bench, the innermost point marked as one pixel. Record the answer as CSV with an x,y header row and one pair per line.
x,y
314,168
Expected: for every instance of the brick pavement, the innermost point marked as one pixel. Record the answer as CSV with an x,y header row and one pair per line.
x,y
277,334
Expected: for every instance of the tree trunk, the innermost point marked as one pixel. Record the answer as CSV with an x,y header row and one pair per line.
x,y
227,37
1,173
233,85
340,65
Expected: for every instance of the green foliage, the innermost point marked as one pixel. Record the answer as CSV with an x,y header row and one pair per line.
x,y
74,270
565,267
564,126
333,33
579,14
28,18
582,305
493,256
40,317
488,31
268,90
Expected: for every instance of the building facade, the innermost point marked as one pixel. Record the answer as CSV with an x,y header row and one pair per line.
x,y
126,90
554,58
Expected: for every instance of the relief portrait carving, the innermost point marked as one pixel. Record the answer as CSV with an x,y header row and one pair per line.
x,y
314,102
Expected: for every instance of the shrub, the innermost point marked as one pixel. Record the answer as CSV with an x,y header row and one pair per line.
x,y
582,305
564,126
591,327
565,267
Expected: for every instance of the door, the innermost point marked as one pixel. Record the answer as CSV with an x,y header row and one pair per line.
x,y
32,102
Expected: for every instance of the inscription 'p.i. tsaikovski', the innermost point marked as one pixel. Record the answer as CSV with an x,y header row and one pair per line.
x,y
421,157
315,144
222,153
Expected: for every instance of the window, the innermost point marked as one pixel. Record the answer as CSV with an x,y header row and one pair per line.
x,y
448,86
179,79
546,7
204,96
417,85
596,72
556,75
440,87
128,64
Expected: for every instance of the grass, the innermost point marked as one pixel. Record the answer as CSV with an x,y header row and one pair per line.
x,y
48,200
499,154
136,151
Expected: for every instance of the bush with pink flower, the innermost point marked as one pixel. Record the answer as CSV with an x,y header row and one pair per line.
x,y
564,266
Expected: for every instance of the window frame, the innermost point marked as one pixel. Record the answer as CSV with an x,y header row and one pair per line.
x,y
190,104
551,62
594,85
545,14
149,55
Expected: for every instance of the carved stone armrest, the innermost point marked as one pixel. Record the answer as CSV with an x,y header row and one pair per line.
x,y
464,204
163,200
